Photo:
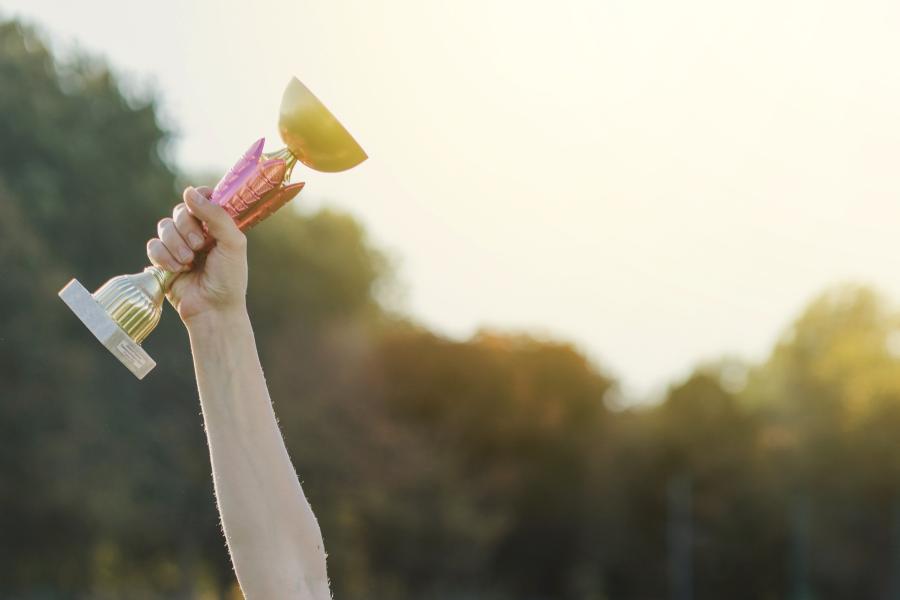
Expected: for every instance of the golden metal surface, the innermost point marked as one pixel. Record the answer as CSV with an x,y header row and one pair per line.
x,y
134,301
312,133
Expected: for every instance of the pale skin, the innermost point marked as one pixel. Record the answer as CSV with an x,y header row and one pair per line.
x,y
275,543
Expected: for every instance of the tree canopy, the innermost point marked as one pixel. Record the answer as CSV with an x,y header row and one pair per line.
x,y
484,468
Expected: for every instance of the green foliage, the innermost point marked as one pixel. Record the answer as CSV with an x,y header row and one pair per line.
x,y
486,468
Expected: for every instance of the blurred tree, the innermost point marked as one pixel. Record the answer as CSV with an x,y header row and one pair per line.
x,y
67,137
105,487
523,419
830,395
710,442
443,469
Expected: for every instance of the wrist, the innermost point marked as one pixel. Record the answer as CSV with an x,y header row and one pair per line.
x,y
218,321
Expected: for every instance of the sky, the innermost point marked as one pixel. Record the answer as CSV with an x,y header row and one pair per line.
x,y
658,182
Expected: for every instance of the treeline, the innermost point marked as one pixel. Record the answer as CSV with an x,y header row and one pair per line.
x,y
490,468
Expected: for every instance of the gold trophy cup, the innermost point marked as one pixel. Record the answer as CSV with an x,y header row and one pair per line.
x,y
125,309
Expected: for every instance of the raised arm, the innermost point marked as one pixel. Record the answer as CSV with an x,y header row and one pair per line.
x,y
275,542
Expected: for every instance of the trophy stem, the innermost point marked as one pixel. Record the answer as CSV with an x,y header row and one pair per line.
x,y
164,277
287,156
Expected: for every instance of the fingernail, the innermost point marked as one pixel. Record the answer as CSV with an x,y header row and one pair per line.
x,y
198,197
184,254
195,241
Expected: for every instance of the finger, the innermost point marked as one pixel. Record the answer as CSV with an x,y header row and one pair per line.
x,y
188,227
176,244
161,257
178,289
218,222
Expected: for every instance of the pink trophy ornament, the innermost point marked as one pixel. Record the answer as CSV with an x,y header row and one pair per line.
x,y
125,309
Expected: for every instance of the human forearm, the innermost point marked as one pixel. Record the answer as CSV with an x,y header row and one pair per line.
x,y
275,542
274,539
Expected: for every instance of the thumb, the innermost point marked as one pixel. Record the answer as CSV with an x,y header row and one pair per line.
x,y
219,223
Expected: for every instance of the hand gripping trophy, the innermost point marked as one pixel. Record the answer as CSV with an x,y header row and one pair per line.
x,y
125,309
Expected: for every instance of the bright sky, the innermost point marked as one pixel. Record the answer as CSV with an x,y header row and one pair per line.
x,y
659,182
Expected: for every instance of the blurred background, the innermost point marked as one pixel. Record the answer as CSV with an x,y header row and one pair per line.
x,y
607,314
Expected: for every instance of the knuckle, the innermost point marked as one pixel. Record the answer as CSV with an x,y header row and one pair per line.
x,y
185,222
178,248
155,251
168,236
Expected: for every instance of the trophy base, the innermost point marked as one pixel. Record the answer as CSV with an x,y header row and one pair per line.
x,y
95,318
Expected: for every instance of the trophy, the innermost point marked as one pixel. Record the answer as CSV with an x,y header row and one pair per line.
x,y
124,310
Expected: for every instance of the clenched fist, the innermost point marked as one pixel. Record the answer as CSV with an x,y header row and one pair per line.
x,y
210,284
